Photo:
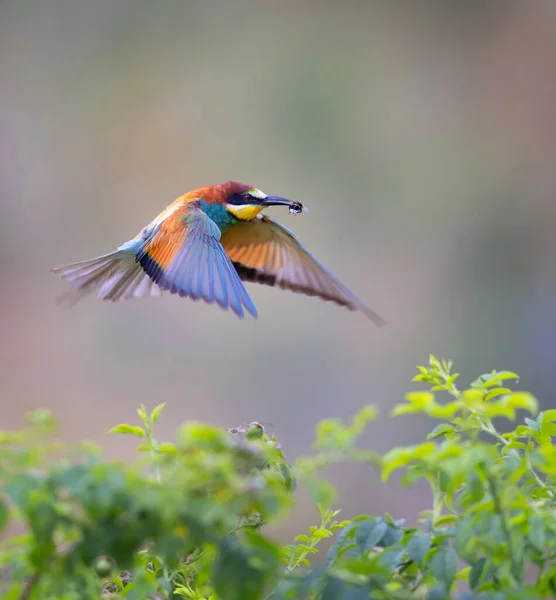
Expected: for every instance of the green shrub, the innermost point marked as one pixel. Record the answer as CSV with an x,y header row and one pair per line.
x,y
186,519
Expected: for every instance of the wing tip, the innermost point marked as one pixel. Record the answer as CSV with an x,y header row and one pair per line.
x,y
252,311
374,317
246,301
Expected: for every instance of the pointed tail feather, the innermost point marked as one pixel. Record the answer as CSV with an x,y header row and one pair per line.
x,y
115,276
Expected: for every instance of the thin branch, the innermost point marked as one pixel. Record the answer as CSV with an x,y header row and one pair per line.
x,y
516,569
61,551
29,585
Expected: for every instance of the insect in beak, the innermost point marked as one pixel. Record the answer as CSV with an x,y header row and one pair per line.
x,y
294,206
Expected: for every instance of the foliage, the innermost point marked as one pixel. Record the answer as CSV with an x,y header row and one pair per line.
x,y
186,519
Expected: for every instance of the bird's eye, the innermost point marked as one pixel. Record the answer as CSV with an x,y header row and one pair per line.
x,y
248,198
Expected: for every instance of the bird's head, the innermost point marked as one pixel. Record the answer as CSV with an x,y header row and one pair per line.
x,y
246,202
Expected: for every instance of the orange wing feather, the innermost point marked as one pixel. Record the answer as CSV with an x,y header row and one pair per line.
x,y
263,251
170,235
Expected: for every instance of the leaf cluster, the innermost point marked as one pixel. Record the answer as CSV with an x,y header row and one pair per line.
x,y
186,519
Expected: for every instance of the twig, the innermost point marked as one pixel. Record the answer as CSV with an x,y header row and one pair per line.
x,y
61,550
29,585
516,570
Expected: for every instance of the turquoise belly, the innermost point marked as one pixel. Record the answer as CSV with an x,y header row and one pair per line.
x,y
219,214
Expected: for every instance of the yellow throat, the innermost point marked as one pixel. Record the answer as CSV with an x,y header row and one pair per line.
x,y
245,212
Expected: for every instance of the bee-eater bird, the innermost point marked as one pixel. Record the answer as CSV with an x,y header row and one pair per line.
x,y
204,245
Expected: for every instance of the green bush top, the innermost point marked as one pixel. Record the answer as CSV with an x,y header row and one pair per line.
x,y
186,519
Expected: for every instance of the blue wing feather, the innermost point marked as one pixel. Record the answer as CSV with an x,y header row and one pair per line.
x,y
200,268
208,279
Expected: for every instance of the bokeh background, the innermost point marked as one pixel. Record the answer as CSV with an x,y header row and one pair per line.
x,y
422,136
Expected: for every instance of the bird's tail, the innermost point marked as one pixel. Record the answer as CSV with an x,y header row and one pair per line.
x,y
114,276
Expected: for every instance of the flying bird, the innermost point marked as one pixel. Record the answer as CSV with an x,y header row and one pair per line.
x,y
204,246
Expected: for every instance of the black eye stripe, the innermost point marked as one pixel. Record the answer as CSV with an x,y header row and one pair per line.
x,y
239,199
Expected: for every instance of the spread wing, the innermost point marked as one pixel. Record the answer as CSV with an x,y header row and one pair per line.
x,y
183,254
263,251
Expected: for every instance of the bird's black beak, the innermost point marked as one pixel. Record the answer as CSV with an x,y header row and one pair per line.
x,y
295,207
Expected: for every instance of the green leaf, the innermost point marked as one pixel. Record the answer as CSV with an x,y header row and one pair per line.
x,y
418,546
327,430
362,418
445,520
524,401
334,589
4,515
549,429
156,412
20,488
303,548
264,554
502,375
444,411
233,575
375,535
537,535
417,402
444,565
42,418
472,399
476,572
542,440
500,409
391,558
368,534
451,380
302,538
320,491
547,420
438,592
142,412
403,409
508,404
392,536
513,445
433,362
128,430
356,592
532,424
520,431
549,415
320,533
401,457
324,512
494,393
194,433
420,400
494,378
167,448
343,541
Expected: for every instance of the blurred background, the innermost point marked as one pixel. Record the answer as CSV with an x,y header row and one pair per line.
x,y
422,136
